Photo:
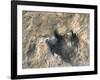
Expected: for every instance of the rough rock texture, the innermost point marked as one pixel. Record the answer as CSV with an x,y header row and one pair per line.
x,y
38,27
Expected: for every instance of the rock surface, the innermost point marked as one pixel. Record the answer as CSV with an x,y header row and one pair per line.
x,y
38,27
